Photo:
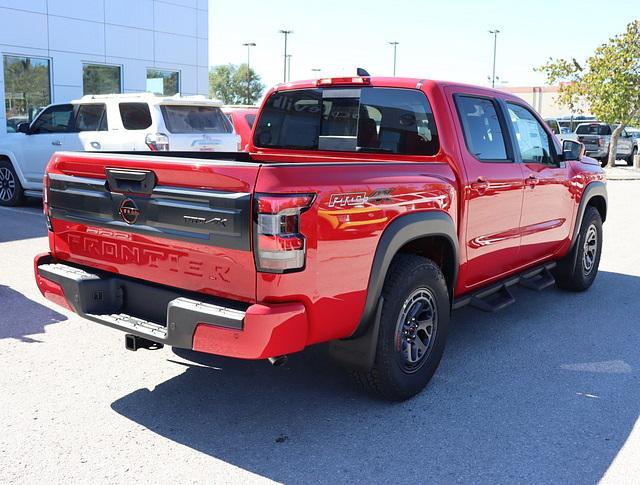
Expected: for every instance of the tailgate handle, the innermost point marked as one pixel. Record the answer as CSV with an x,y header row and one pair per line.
x,y
132,181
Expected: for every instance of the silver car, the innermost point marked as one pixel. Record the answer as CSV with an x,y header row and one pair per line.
x,y
596,138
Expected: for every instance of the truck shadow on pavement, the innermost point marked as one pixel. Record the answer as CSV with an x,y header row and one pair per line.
x,y
545,391
21,317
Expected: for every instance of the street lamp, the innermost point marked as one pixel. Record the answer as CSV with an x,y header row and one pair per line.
x,y
288,67
395,46
316,71
249,45
286,35
495,33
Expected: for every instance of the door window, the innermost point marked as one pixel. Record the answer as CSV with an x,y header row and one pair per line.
x,y
482,128
533,140
91,117
55,119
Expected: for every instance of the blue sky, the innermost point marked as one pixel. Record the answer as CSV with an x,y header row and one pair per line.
x,y
438,39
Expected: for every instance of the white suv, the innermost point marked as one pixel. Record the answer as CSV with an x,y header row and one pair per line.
x,y
115,122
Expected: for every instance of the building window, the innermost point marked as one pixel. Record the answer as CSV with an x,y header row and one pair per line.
x,y
101,79
166,83
27,88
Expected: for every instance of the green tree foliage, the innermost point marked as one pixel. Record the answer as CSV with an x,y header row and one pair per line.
x,y
609,82
235,84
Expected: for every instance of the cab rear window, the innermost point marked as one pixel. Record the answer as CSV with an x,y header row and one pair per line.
x,y
376,120
594,129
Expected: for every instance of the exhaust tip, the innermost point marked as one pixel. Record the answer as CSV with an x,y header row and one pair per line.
x,y
278,361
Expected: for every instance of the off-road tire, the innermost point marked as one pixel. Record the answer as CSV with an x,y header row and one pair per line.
x,y
573,273
11,192
388,379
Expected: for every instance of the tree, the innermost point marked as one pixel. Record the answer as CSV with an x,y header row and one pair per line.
x,y
235,84
609,83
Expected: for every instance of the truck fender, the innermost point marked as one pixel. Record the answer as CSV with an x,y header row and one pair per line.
x,y
359,349
16,166
593,189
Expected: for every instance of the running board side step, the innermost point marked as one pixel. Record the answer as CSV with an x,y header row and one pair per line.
x,y
498,296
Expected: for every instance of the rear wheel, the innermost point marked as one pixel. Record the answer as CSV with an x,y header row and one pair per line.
x,y
11,193
579,268
413,329
604,161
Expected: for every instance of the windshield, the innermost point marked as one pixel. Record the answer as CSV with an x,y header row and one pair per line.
x,y
195,119
378,120
602,130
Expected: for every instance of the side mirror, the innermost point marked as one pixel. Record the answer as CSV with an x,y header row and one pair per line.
x,y
572,150
23,127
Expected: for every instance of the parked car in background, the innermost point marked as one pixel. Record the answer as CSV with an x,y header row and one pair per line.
x,y
561,129
115,122
596,138
635,137
242,118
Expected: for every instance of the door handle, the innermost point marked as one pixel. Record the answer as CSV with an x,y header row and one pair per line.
x,y
532,180
480,185
56,143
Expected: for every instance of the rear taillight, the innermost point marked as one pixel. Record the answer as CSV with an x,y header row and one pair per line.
x,y
279,245
157,142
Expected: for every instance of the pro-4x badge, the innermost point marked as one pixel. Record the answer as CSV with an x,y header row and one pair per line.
x,y
359,198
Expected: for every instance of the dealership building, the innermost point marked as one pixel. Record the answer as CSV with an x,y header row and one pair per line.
x,y
54,51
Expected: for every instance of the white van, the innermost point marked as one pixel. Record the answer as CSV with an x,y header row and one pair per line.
x,y
114,122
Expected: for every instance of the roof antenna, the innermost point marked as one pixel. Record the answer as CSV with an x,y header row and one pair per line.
x,y
362,72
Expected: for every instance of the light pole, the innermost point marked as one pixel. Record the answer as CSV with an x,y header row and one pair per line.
x,y
288,67
286,35
249,45
495,33
395,46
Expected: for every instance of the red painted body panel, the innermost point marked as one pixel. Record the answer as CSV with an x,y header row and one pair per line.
x,y
504,224
341,242
50,290
268,331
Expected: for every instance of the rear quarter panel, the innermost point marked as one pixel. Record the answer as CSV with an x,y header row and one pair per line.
x,y
354,204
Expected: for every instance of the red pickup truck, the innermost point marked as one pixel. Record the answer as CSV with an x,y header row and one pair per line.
x,y
366,210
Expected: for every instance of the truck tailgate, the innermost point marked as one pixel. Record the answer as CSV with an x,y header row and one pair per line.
x,y
179,222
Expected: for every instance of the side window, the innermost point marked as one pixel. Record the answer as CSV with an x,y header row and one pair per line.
x,y
91,117
482,130
135,116
56,119
397,121
533,140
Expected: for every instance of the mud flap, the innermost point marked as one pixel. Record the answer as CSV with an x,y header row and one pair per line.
x,y
360,352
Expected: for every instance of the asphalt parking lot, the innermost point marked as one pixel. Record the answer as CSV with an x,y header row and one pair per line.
x,y
545,391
